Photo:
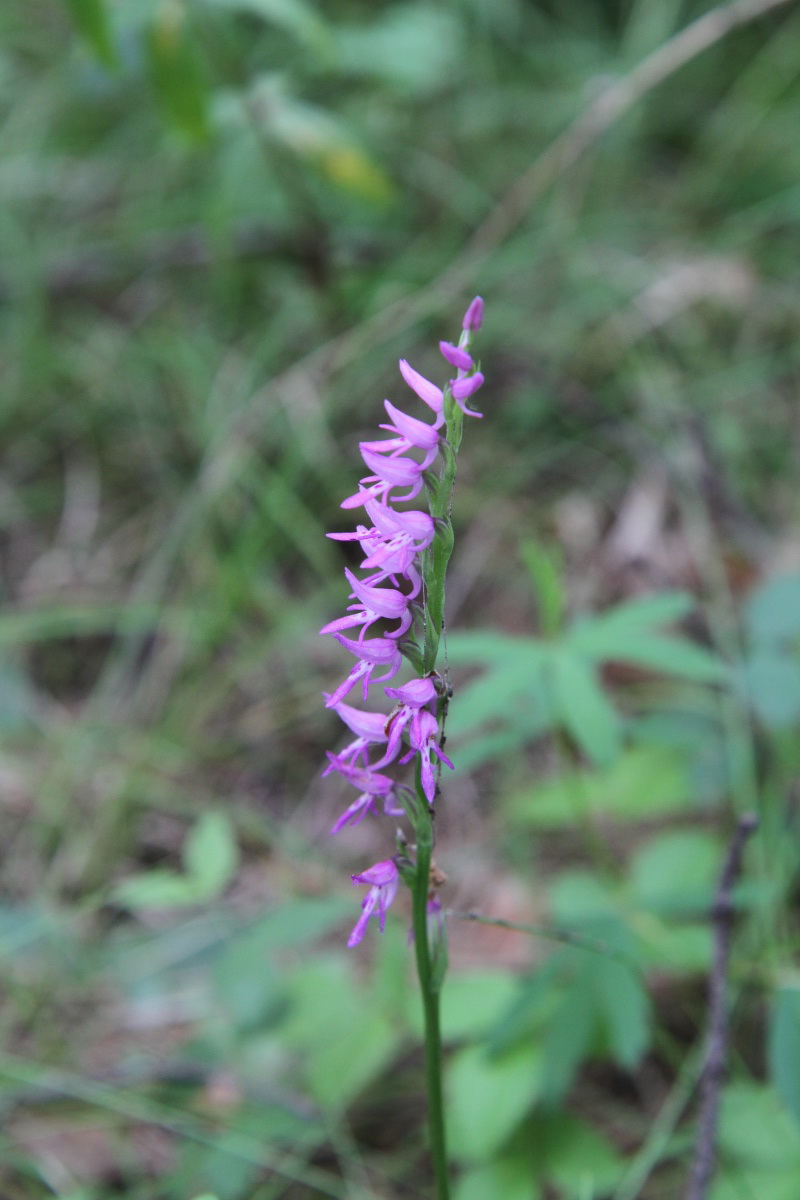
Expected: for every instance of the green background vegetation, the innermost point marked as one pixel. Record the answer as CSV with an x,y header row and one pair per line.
x,y
221,223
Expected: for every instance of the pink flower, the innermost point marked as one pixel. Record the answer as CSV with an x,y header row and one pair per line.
x,y
473,317
382,880
413,697
456,356
372,604
373,786
422,733
371,653
432,395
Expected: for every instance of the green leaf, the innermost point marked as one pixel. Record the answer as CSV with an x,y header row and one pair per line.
x,y
772,612
571,1155
675,873
645,781
508,1177
210,854
488,1097
653,651
345,1036
414,48
783,1047
625,1008
756,1131
294,16
664,608
156,889
772,684
545,570
91,19
584,708
177,73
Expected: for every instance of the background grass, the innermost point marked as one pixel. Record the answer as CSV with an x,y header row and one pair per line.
x,y
221,224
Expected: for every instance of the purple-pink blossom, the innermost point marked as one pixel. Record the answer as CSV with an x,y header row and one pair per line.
x,y
386,591
382,880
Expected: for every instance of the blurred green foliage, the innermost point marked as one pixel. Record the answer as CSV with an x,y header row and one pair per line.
x,y
220,223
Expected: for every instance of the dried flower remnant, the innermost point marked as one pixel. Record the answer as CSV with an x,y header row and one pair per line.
x,y
400,590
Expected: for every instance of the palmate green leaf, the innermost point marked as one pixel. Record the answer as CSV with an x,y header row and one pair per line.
x,y
510,679
783,1047
583,707
645,781
475,647
642,648
644,612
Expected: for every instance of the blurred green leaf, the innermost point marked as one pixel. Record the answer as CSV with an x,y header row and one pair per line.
x,y
676,873
756,1131
210,853
412,47
584,709
157,889
783,1047
91,18
571,1155
488,1097
545,569
508,1176
346,1037
177,72
641,648
645,781
295,16
772,611
772,683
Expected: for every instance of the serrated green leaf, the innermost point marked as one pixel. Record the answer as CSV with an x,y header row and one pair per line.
x,y
210,854
583,707
783,1047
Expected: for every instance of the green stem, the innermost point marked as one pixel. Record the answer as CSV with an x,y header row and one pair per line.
x,y
430,1000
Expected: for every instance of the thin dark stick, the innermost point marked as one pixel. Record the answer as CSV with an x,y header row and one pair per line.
x,y
713,1072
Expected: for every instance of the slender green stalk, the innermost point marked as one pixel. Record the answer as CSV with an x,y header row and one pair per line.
x,y
432,959
430,1002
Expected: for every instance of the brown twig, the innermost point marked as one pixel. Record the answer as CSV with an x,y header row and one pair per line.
x,y
712,1074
